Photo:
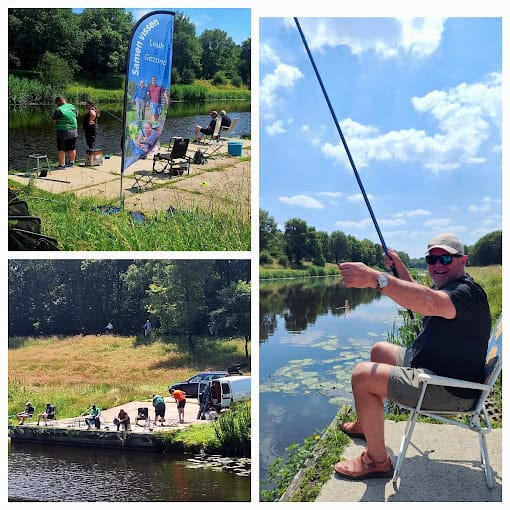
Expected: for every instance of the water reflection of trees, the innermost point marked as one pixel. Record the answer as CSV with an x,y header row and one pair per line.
x,y
301,302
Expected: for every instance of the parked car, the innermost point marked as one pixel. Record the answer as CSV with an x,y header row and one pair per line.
x,y
190,387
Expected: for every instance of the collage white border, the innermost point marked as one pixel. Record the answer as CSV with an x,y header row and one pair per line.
x,y
261,8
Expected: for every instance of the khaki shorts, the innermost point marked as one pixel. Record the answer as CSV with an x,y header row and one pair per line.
x,y
403,387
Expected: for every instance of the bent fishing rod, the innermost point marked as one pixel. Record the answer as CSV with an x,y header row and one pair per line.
x,y
351,161
348,152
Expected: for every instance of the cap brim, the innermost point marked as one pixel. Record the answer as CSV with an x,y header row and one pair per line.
x,y
449,249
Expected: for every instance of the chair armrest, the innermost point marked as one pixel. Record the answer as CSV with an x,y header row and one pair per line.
x,y
455,383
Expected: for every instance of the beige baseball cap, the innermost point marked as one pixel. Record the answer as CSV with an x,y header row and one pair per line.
x,y
448,242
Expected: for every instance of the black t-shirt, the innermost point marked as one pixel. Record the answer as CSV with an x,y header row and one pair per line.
x,y
456,347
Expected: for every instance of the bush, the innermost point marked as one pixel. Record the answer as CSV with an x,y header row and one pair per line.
x,y
236,81
265,258
233,430
220,78
283,260
55,71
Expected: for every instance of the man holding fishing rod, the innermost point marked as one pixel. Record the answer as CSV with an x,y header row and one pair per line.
x,y
451,343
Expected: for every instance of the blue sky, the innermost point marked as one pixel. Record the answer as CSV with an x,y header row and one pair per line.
x,y
419,104
235,22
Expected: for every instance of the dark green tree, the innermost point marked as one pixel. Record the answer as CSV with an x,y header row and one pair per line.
x,y
488,250
244,68
34,31
187,50
233,317
339,246
106,33
295,236
219,53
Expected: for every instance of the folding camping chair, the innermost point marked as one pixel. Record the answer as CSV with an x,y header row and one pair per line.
x,y
143,415
176,161
493,365
51,417
214,142
25,230
143,179
229,131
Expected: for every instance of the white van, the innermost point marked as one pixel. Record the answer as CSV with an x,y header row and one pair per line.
x,y
227,390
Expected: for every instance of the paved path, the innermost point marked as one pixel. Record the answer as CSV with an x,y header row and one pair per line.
x,y
442,464
171,416
223,181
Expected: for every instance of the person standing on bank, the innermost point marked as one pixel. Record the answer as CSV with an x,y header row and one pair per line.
x,y
452,343
180,400
90,124
65,118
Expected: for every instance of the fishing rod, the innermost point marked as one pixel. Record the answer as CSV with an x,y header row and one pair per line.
x,y
348,152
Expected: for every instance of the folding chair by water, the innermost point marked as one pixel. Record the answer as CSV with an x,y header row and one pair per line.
x,y
478,418
176,162
229,131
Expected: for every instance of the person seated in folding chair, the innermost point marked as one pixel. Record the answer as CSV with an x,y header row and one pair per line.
x,y
209,130
92,419
452,343
27,413
47,414
225,119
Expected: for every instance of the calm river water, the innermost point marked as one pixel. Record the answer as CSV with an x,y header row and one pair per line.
x,y
31,132
309,345
55,473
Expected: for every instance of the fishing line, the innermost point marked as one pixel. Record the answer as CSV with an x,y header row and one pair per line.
x,y
348,152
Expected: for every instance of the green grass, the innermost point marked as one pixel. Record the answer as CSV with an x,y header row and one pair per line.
x,y
73,372
26,89
78,225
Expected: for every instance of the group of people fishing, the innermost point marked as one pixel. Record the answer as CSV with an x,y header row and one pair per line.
x,y
92,416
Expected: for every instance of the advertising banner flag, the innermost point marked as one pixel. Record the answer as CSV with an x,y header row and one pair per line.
x,y
147,88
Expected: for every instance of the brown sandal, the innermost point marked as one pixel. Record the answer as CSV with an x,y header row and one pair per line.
x,y
353,429
363,467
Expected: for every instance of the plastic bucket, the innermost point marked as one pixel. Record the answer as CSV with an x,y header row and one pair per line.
x,y
235,148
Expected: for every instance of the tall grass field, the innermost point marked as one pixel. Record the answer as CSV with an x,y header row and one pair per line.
x,y
73,372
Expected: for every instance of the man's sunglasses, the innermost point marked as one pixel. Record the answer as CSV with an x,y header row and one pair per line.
x,y
445,260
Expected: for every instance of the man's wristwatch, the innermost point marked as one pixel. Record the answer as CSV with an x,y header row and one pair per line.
x,y
382,281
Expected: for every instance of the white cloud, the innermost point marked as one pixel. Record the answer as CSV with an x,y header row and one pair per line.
x,y
358,197
302,201
334,194
277,128
438,223
386,37
267,55
486,205
368,223
354,224
283,76
412,214
467,117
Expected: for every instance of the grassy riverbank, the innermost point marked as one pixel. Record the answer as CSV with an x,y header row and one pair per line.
x,y
27,89
314,458
78,226
72,372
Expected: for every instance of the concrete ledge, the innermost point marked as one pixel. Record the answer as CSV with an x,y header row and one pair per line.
x,y
76,437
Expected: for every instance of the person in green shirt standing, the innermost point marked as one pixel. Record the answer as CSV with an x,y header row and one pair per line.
x,y
159,409
65,118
